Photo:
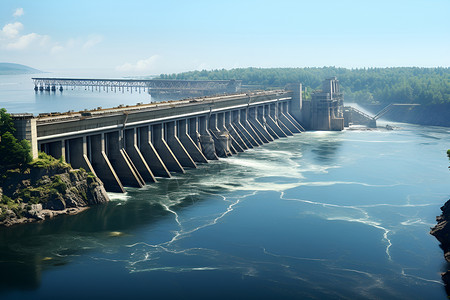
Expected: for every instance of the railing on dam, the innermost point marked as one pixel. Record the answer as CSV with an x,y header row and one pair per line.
x,y
130,146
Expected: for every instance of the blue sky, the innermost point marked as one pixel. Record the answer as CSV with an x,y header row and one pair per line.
x,y
150,37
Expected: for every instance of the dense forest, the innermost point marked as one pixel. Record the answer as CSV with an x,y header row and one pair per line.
x,y
372,85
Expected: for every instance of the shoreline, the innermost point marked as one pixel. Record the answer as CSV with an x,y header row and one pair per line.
x,y
42,215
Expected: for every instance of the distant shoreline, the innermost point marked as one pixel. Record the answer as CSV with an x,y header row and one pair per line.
x,y
17,69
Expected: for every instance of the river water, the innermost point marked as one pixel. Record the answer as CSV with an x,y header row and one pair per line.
x,y
321,215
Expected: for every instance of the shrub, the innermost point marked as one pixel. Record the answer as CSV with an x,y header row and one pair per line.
x,y
58,184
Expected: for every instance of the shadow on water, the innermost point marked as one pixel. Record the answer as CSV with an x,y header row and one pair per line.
x,y
325,148
29,249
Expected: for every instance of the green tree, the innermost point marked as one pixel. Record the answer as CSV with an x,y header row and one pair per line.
x,y
6,122
13,153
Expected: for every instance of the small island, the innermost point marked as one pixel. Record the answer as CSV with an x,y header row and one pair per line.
x,y
16,69
35,189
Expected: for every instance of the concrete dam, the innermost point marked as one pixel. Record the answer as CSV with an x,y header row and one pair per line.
x,y
133,145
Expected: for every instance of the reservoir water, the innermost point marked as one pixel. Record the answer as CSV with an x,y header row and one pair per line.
x,y
321,215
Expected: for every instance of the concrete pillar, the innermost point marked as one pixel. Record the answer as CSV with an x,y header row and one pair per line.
x,y
175,145
236,140
297,102
246,130
193,131
288,115
274,122
206,140
76,154
235,121
131,147
188,144
164,151
150,154
257,126
220,121
121,161
25,125
221,138
245,121
55,149
102,165
288,124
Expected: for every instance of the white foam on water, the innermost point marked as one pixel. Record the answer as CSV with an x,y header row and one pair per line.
x,y
364,220
118,196
330,183
293,257
421,278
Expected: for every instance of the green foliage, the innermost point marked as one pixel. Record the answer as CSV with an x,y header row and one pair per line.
x,y
8,203
384,85
47,161
6,122
12,152
58,184
5,199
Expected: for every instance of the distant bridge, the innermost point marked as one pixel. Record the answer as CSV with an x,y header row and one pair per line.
x,y
138,85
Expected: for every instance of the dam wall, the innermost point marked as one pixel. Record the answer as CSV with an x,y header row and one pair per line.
x,y
135,145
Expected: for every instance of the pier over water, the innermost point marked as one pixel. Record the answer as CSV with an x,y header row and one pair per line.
x,y
139,85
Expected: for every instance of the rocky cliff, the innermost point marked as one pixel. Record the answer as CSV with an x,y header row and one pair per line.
x,y
442,233
37,193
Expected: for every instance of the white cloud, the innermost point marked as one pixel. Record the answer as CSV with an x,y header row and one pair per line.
x,y
11,30
57,49
24,41
19,12
11,38
92,41
141,65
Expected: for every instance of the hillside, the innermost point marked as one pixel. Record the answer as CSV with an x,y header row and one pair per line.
x,y
16,69
371,85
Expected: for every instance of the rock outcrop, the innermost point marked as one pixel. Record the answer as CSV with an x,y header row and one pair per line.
x,y
442,233
38,193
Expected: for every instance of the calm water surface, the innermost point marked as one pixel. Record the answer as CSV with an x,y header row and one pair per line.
x,y
321,215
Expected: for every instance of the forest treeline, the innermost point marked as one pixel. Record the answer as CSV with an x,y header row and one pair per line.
x,y
368,85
